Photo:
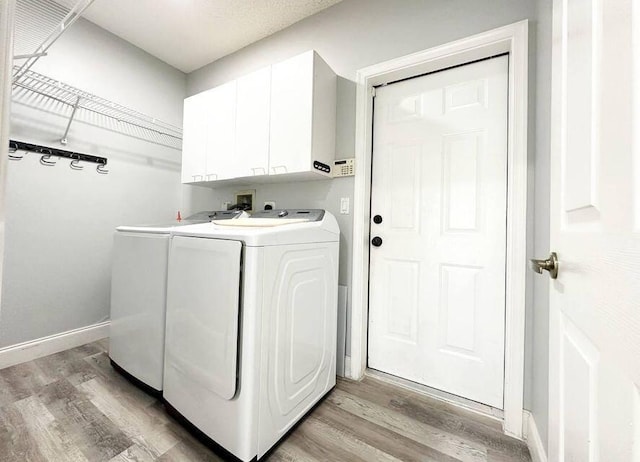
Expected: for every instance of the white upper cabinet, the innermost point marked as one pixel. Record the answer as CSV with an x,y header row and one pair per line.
x,y
279,120
303,115
252,123
221,132
194,140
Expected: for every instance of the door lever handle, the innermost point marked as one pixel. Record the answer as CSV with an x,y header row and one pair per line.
x,y
550,265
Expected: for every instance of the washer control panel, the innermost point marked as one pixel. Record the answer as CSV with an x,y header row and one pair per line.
x,y
284,214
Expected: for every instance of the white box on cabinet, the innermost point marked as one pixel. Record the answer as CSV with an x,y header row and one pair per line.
x,y
303,115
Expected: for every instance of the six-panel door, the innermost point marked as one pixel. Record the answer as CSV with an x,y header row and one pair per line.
x,y
594,334
437,279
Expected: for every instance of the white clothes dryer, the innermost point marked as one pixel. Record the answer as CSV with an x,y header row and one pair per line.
x,y
251,326
138,298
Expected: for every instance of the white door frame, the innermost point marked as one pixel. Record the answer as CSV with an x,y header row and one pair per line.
x,y
7,14
512,39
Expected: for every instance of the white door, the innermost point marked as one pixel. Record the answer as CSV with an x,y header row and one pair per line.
x,y
594,344
437,281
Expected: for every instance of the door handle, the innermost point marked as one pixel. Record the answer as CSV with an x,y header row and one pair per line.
x,y
376,241
550,264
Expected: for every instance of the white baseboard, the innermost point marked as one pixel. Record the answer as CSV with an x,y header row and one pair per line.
x,y
342,330
28,351
536,448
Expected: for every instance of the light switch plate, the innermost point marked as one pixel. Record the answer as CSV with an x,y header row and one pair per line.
x,y
344,205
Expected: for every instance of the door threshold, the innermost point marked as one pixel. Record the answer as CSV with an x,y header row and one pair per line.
x,y
458,401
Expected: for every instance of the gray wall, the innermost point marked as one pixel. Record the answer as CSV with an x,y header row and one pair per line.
x,y
59,222
357,33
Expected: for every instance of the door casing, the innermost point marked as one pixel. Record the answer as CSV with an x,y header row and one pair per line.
x,y
512,39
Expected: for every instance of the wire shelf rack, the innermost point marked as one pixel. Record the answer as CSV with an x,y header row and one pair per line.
x,y
39,23
96,110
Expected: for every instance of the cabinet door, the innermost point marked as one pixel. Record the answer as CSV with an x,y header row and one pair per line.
x,y
221,132
291,115
252,123
194,139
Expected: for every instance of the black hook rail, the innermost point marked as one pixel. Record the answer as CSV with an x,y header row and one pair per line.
x,y
75,156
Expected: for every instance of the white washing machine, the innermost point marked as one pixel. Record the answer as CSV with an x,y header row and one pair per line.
x,y
138,298
251,326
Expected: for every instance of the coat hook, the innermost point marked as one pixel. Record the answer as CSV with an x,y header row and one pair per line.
x,y
13,147
75,165
100,169
44,160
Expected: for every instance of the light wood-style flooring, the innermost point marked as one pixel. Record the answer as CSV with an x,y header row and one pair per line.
x,y
72,406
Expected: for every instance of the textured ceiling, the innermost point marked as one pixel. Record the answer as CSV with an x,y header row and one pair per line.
x,y
188,34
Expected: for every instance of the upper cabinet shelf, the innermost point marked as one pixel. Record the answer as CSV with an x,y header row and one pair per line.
x,y
275,124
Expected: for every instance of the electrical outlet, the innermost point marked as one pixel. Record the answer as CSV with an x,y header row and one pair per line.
x,y
269,205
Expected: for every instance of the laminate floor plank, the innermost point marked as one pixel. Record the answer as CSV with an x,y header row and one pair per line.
x,y
73,406
96,436
469,425
288,451
134,453
21,381
16,442
281,455
121,386
318,447
143,428
183,452
394,444
68,365
375,389
52,441
326,434
446,443
103,344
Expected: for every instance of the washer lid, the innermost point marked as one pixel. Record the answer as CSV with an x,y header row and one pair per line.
x,y
200,217
290,229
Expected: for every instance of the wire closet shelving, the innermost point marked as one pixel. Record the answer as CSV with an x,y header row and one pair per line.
x,y
39,23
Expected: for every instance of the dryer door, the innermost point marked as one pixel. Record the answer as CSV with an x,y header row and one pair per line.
x,y
202,318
